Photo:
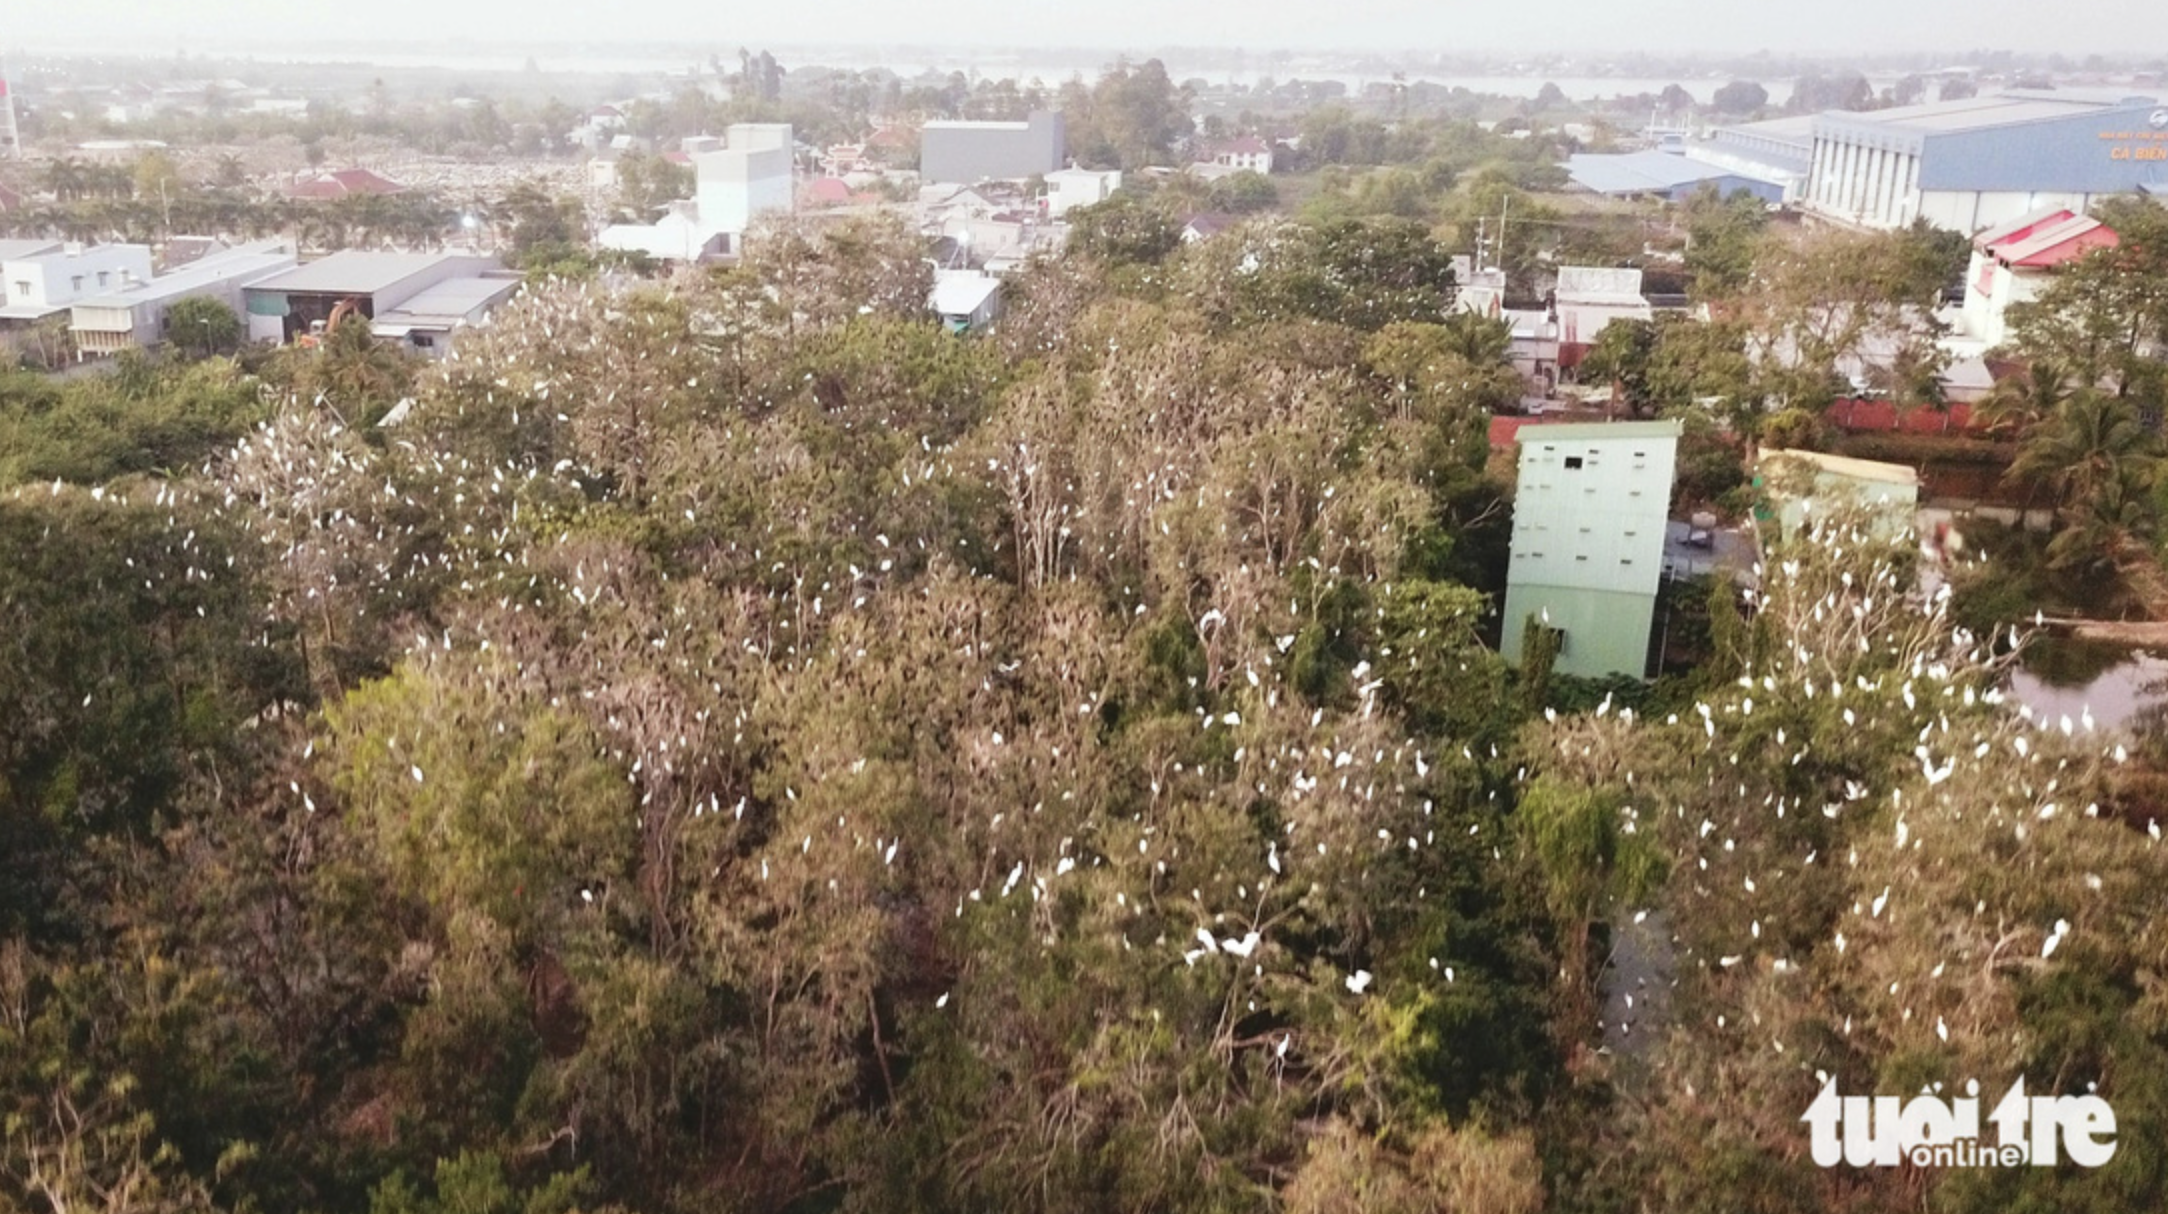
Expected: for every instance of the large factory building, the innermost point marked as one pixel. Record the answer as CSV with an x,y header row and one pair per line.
x,y
1972,164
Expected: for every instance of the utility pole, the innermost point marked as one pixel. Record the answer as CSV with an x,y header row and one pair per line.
x,y
1504,201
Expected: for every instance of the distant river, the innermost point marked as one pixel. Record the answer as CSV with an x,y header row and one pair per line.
x,y
623,62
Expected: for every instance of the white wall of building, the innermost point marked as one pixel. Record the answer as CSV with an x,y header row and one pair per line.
x,y
106,323
1071,188
1990,289
749,178
55,280
1974,210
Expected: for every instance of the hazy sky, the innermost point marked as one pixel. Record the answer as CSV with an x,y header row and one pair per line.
x,y
2072,26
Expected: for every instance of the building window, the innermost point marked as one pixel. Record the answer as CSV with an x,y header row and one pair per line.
x,y
104,277
79,282
1573,461
22,289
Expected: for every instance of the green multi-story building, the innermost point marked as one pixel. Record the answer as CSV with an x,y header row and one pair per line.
x,y
1588,541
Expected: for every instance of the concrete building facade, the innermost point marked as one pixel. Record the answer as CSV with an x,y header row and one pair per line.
x,y
964,153
38,284
1972,164
750,176
1588,542
112,321
1068,189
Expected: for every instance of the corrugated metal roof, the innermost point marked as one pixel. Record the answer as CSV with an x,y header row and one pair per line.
x,y
1973,113
207,271
12,249
962,294
354,272
2056,243
449,301
1798,128
2019,226
1645,172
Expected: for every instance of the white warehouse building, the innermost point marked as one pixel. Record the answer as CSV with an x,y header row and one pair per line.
x,y
135,317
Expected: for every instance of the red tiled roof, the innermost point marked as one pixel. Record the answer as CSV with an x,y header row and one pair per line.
x,y
678,157
1505,431
345,182
9,199
829,190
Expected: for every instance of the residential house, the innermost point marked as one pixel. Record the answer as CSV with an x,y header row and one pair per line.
x,y
1067,189
1588,298
1799,483
1248,153
677,236
344,183
2013,262
750,176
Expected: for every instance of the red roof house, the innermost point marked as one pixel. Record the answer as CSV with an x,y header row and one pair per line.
x,y
346,182
2011,263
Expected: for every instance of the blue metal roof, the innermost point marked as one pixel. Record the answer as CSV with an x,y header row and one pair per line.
x,y
1669,173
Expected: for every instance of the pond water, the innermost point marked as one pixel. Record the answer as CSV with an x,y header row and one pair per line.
x,y
2060,677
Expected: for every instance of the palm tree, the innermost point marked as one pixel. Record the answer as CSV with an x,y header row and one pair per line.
x,y
2116,527
359,375
2086,450
66,178
2026,399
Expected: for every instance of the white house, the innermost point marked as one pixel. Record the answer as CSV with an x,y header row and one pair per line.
x,y
1247,153
750,177
1591,297
677,236
136,317
42,284
1070,188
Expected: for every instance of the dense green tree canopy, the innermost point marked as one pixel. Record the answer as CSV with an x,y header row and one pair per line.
x,y
725,744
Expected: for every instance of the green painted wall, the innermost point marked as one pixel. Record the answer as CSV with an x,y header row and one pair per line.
x,y
1607,631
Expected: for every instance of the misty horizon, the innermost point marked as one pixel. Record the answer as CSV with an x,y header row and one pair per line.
x,y
1573,30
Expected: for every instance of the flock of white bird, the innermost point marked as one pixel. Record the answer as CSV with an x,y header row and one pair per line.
x,y
341,516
